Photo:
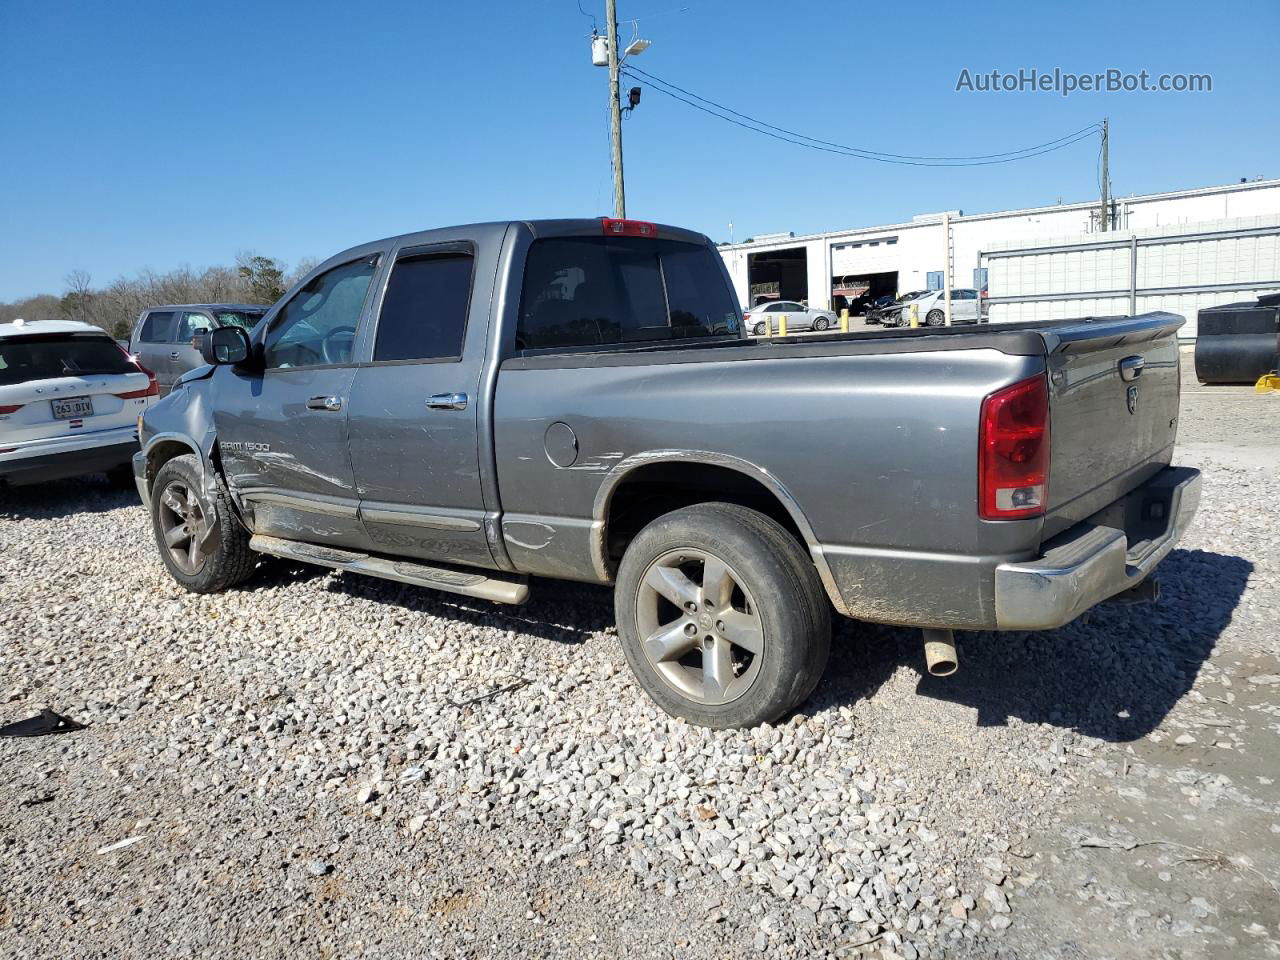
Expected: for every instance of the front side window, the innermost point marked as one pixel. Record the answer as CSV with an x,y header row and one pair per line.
x,y
158,327
584,291
424,311
191,324
318,326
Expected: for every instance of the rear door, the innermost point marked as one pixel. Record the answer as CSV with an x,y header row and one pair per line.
x,y
1113,406
282,432
413,418
156,343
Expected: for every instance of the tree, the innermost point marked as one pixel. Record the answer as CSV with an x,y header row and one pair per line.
x,y
263,277
77,302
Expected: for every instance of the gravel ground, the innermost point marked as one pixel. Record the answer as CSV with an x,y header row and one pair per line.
x,y
318,764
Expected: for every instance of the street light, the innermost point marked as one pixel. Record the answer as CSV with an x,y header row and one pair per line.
x,y
614,62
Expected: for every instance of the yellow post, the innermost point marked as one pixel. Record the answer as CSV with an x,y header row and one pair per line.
x,y
768,325
782,325
844,320
915,315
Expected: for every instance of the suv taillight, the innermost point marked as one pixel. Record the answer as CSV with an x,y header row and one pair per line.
x,y
152,390
1013,451
11,407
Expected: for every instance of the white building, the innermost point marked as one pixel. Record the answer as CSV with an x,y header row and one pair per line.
x,y
1178,251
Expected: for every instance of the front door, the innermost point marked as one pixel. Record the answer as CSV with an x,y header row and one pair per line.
x,y
413,416
282,432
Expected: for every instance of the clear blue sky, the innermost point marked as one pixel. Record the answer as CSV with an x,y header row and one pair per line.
x,y
155,134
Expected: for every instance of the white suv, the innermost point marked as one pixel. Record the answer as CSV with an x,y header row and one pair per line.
x,y
70,398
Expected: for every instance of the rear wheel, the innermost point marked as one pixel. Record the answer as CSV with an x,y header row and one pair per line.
x,y
202,544
822,323
759,330
934,318
722,617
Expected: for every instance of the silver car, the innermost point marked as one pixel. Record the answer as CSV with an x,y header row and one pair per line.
x,y
759,320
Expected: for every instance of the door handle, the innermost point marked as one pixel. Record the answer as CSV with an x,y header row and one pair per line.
x,y
332,404
175,356
447,401
1131,368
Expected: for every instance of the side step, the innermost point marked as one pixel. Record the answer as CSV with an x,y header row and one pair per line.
x,y
471,584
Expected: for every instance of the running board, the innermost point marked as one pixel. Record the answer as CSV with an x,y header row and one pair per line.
x,y
419,574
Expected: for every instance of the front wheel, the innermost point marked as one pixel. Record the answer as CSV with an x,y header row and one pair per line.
x,y
934,318
822,323
722,617
202,544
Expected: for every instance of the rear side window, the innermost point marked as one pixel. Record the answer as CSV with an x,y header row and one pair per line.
x,y
424,312
59,355
584,291
158,327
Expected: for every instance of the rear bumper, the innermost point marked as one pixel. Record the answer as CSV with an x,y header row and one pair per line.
x,y
1115,550
64,464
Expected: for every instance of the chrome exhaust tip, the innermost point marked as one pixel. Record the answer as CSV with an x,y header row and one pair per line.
x,y
940,653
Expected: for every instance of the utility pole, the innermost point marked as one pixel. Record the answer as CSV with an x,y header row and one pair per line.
x,y
1104,220
615,112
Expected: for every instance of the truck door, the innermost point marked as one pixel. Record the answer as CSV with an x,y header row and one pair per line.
x,y
155,343
282,432
413,417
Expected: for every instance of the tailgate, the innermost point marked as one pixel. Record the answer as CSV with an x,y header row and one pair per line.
x,y
1113,406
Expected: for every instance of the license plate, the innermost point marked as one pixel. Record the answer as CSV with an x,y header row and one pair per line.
x,y
72,408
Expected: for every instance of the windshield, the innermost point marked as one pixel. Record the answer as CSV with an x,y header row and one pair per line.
x,y
23,359
581,291
245,319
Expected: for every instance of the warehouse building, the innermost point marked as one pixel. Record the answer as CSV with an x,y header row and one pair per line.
x,y
1178,251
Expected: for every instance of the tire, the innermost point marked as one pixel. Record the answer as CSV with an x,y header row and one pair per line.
x,y
822,323
934,318
758,330
776,602
223,564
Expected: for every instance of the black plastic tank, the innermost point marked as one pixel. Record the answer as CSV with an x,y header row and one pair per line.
x,y
1238,342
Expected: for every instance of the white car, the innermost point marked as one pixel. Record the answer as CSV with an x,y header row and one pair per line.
x,y
931,309
70,398
758,320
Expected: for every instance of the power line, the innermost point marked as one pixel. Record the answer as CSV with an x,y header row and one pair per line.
x,y
798,139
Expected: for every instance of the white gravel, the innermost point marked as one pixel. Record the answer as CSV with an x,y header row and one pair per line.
x,y
320,763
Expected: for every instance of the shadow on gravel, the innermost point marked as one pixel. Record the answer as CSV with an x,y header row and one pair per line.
x,y
64,498
1113,674
557,610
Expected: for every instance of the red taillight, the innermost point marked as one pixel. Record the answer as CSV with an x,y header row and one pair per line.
x,y
629,228
152,390
11,407
1013,451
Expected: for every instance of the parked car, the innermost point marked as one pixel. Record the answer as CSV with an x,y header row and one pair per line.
x,y
166,339
930,306
69,402
799,318
875,307
466,408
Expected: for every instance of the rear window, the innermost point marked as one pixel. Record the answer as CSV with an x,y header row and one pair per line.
x,y
585,291
53,355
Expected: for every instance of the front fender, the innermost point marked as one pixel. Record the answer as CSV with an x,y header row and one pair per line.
x,y
180,423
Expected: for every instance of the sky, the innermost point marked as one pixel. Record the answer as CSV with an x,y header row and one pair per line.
x,y
144,134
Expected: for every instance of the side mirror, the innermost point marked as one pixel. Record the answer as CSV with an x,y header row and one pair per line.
x,y
225,345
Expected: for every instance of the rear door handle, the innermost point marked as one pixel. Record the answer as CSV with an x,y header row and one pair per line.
x,y
332,404
447,401
1131,368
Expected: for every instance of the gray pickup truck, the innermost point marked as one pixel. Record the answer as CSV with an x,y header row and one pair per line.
x,y
466,408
